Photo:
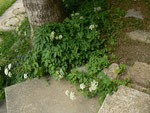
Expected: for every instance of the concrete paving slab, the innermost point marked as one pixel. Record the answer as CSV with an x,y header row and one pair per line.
x,y
140,35
3,106
13,16
126,100
36,96
134,13
111,71
140,74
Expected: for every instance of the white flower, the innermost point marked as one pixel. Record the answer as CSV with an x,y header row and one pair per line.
x,y
72,14
67,92
52,35
94,85
81,17
99,8
60,77
66,5
56,37
9,74
9,66
90,89
60,37
6,71
91,27
25,76
94,88
76,14
82,86
72,95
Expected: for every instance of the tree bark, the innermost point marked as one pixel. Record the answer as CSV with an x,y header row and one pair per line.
x,y
40,12
43,11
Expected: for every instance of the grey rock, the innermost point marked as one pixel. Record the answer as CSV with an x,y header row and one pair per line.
x,y
36,96
140,73
140,88
139,35
111,71
3,106
126,100
134,13
82,69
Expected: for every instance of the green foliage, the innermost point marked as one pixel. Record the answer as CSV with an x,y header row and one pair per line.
x,y
13,50
97,63
113,56
80,39
85,37
105,85
121,69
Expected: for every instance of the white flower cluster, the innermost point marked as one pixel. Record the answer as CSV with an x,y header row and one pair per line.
x,y
59,37
25,76
7,70
97,9
94,85
52,36
60,74
82,86
91,27
66,5
70,94
76,14
81,17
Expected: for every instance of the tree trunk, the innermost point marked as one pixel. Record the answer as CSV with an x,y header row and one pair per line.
x,y
43,11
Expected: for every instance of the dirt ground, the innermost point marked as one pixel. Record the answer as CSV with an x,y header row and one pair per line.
x,y
127,50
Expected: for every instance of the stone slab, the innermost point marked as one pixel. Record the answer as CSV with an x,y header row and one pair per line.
x,y
126,100
140,73
36,96
3,106
140,35
140,88
134,13
111,71
13,16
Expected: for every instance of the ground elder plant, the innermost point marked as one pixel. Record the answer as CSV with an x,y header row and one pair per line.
x,y
94,82
82,38
70,43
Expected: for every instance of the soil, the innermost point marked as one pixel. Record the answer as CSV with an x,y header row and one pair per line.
x,y
127,50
